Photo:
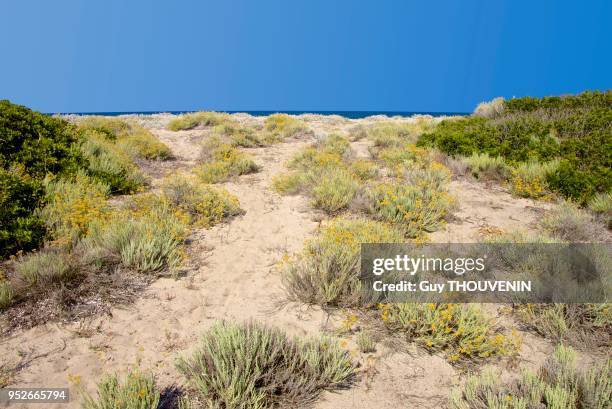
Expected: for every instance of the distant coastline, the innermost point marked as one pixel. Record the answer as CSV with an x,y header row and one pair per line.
x,y
346,114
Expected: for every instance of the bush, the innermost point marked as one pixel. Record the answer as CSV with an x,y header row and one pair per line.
x,y
462,331
326,273
111,165
222,161
416,209
573,130
205,205
137,391
239,135
288,183
557,384
364,169
190,121
491,109
529,178
20,227
147,241
6,294
278,127
483,166
581,325
601,204
44,268
39,143
128,137
334,191
250,366
572,224
72,206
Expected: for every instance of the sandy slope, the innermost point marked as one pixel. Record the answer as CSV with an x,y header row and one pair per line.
x,y
231,275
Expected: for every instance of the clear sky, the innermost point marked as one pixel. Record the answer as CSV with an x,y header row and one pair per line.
x,y
412,55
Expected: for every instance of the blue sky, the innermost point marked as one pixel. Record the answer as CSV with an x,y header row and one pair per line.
x,y
147,55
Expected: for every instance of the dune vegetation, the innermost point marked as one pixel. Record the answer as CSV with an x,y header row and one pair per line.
x,y
94,209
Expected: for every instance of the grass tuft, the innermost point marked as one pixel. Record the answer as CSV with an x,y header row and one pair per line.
x,y
252,366
570,223
221,161
44,268
6,294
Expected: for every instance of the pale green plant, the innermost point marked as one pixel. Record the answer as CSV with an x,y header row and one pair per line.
x,y
137,391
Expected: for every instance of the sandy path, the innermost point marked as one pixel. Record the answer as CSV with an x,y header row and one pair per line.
x,y
234,278
231,274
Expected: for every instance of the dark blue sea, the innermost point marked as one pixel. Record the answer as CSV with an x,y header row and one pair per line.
x,y
346,114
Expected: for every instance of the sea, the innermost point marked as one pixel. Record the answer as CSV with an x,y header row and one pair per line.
x,y
346,114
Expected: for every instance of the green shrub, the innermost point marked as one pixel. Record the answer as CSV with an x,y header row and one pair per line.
x,y
239,135
143,144
483,166
222,161
529,178
364,169
109,126
147,241
557,384
326,273
137,391
416,209
205,205
39,143
334,191
288,183
20,227
251,366
110,164
73,205
6,294
45,267
278,127
190,121
573,130
462,331
391,134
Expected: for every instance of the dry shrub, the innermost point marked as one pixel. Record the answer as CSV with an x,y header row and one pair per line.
x,y
72,205
570,223
252,366
205,205
463,332
137,391
6,294
326,273
601,204
238,135
557,384
585,326
45,268
220,162
334,191
278,127
529,178
366,342
491,109
487,167
197,119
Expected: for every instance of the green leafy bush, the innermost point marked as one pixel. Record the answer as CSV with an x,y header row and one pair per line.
x,y
20,227
252,366
575,130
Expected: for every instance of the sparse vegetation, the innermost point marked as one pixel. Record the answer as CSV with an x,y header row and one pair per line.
x,y
44,268
190,121
485,167
279,127
251,366
366,342
557,384
136,391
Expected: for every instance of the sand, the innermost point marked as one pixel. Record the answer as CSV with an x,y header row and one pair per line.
x,y
231,274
